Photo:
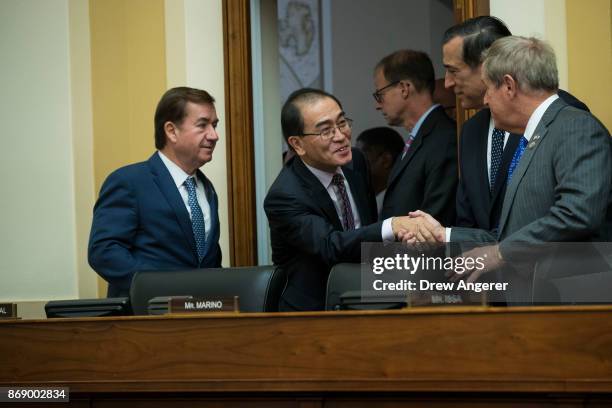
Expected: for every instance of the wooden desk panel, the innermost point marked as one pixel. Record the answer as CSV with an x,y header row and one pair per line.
x,y
565,350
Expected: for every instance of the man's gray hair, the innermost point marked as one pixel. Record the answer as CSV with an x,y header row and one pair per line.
x,y
531,62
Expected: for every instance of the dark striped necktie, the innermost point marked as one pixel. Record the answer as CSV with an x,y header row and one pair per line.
x,y
348,221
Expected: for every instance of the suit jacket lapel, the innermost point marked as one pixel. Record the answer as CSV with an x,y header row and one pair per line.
x,y
424,130
483,173
532,147
319,194
212,236
166,185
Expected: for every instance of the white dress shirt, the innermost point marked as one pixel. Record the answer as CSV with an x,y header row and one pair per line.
x,y
179,176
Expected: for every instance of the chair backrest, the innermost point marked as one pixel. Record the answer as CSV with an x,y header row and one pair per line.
x,y
343,278
258,287
346,291
592,288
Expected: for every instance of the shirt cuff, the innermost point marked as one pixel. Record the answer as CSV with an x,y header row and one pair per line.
x,y
387,231
448,234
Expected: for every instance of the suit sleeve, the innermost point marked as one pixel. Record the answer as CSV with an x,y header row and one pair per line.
x,y
582,166
303,228
114,226
462,234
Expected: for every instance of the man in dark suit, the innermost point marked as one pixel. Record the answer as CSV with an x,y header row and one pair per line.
x,y
485,152
559,178
318,208
425,174
162,213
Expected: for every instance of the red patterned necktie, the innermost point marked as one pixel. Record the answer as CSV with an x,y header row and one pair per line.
x,y
407,145
348,221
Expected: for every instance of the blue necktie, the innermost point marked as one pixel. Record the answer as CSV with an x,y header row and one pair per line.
x,y
497,149
197,219
517,156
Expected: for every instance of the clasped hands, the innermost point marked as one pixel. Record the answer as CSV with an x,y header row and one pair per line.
x,y
421,228
418,227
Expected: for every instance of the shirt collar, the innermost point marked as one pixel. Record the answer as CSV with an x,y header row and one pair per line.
x,y
537,115
323,176
178,175
417,125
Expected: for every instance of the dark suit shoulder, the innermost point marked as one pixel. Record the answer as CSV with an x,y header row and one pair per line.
x,y
439,119
129,177
477,123
129,170
286,184
572,100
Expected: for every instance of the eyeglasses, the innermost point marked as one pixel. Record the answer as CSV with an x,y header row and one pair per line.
x,y
379,92
327,133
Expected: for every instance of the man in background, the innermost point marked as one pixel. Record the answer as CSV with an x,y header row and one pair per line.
x,y
381,147
425,174
162,213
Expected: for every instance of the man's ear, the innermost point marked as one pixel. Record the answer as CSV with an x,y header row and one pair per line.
x,y
407,87
510,86
170,130
297,143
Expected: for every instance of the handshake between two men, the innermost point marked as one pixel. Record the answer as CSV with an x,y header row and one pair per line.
x,y
422,230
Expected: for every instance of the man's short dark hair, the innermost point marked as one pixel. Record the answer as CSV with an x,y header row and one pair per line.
x,y
412,65
292,122
478,34
171,108
382,139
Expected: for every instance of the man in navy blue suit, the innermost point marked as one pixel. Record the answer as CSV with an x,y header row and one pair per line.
x,y
161,214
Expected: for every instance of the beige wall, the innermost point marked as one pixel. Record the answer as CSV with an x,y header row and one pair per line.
x,y
204,69
45,221
589,48
581,34
82,140
128,77
37,209
80,80
544,19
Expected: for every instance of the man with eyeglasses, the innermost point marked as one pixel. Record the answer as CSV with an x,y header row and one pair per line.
x,y
425,174
319,210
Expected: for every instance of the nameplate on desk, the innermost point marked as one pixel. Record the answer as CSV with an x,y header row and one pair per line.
x,y
8,311
192,304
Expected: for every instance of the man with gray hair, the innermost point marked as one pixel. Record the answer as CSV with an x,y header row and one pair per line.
x,y
559,179
485,152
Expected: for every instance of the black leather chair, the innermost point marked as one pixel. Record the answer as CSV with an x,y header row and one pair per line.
x,y
345,291
258,287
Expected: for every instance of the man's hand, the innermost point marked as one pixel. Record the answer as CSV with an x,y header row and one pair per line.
x,y
415,228
438,231
489,256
